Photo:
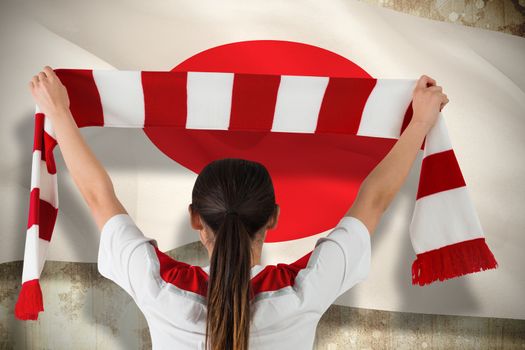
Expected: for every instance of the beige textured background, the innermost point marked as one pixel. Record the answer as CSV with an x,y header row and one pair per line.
x,y
501,15
86,311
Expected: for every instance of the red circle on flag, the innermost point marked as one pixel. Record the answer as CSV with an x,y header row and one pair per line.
x,y
316,176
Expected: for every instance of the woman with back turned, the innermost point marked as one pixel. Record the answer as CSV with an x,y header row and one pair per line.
x,y
235,302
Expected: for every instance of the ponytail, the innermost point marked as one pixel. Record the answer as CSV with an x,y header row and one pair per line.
x,y
229,288
246,187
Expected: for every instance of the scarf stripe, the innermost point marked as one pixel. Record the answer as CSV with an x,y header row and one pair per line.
x,y
445,230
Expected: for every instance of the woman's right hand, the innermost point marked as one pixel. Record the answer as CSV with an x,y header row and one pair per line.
x,y
427,101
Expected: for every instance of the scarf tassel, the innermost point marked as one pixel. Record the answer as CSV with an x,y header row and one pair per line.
x,y
452,261
29,302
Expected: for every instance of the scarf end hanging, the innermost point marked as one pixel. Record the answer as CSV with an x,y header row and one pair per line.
x,y
29,302
452,261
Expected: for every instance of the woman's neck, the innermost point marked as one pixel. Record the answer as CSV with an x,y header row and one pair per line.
x,y
256,257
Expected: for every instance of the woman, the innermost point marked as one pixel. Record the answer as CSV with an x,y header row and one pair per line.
x,y
234,302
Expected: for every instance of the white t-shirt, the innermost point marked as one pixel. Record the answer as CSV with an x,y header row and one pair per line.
x,y
289,299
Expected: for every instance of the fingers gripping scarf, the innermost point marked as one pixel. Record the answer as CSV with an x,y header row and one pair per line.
x,y
445,230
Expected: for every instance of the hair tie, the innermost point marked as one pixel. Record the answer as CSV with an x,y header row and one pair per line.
x,y
231,212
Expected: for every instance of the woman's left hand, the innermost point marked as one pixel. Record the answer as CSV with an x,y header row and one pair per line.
x,y
48,92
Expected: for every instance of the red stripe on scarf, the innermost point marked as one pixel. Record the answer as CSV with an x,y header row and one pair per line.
x,y
343,104
43,210
439,172
165,98
254,97
47,155
84,98
37,133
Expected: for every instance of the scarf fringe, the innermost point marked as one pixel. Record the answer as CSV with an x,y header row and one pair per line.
x,y
29,302
451,261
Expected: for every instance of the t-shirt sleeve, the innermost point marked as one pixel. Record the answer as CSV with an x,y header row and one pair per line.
x,y
338,262
123,254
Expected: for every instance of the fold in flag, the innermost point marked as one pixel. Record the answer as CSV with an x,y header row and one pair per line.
x,y
313,116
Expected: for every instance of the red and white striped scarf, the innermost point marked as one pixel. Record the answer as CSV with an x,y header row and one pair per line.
x,y
445,230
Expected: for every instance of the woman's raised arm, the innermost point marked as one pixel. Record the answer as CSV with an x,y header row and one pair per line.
x,y
87,172
381,185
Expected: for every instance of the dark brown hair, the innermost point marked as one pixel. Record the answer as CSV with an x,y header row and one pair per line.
x,y
245,188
